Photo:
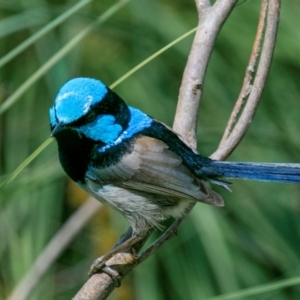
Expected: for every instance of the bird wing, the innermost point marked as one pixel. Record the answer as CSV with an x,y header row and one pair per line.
x,y
151,167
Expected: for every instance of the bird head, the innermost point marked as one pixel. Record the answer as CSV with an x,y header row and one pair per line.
x,y
88,107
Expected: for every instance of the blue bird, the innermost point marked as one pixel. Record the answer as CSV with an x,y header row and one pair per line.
x,y
136,164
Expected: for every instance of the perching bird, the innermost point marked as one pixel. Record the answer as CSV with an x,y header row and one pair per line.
x,y
135,164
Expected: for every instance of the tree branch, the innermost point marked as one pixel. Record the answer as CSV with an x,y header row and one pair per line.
x,y
202,5
211,19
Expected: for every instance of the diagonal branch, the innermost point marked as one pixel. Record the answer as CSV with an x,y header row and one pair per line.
x,y
211,19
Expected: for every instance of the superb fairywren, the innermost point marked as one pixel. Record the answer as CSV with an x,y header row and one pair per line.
x,y
135,164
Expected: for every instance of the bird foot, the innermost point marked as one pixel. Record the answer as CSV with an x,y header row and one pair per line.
x,y
100,262
100,266
97,265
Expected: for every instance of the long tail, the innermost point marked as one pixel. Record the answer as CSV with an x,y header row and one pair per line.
x,y
259,171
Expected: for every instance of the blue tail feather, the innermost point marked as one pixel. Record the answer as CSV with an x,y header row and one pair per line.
x,y
259,171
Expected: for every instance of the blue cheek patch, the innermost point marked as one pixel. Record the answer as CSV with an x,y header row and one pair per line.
x,y
102,129
138,122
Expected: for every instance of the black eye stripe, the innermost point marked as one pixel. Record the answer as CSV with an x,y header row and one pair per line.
x,y
109,105
90,116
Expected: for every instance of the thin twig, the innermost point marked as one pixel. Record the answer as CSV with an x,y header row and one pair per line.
x,y
250,71
262,71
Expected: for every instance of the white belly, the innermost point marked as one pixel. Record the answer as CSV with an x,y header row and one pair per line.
x,y
143,210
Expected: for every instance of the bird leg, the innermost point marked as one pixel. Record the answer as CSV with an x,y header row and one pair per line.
x,y
171,231
125,242
133,243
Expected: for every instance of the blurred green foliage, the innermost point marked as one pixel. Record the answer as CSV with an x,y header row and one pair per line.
x,y
254,240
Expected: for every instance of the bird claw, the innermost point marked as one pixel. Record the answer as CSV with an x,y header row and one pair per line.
x,y
125,244
99,264
113,274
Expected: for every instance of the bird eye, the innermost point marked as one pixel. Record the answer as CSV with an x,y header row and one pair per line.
x,y
90,117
